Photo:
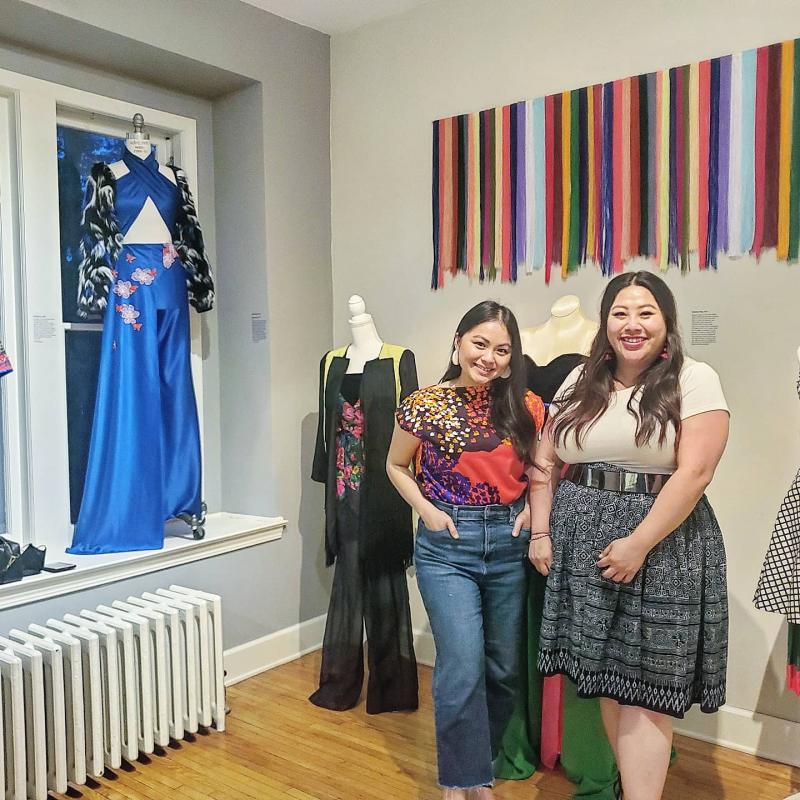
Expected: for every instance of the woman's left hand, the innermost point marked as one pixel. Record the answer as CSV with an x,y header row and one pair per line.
x,y
622,559
523,520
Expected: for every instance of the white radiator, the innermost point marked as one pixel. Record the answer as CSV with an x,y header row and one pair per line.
x,y
81,694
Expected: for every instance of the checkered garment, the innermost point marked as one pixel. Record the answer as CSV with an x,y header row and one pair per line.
x,y
779,584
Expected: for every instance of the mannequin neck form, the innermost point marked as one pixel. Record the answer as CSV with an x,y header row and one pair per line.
x,y
567,330
138,147
366,342
569,323
566,306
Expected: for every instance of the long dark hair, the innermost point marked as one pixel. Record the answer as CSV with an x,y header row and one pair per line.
x,y
510,416
657,389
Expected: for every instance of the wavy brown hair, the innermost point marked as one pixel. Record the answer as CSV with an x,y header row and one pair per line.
x,y
510,416
657,388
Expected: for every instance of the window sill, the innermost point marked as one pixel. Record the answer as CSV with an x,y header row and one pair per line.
x,y
224,534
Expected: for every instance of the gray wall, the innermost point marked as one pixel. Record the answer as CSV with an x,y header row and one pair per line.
x,y
238,577
261,89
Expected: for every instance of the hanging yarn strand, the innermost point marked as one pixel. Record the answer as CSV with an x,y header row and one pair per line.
x,y
794,173
436,281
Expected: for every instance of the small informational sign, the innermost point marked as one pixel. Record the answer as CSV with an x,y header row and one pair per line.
x,y
705,325
258,327
44,328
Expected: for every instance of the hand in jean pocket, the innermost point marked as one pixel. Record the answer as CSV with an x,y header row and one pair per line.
x,y
437,521
522,522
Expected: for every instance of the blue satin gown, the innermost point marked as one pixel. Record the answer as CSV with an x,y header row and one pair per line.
x,y
144,456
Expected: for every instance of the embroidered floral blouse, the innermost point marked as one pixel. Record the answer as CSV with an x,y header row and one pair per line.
x,y
349,448
462,459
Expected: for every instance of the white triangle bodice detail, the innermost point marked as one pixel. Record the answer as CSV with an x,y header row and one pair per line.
x,y
148,227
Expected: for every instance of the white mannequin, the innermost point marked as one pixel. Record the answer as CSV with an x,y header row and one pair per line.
x,y
567,331
366,342
148,227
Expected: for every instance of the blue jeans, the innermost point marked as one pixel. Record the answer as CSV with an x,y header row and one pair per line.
x,y
473,588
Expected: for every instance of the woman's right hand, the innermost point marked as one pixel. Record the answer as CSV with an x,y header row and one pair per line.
x,y
540,554
437,520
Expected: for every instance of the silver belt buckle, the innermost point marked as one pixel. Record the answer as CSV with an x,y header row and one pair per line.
x,y
593,477
630,482
607,480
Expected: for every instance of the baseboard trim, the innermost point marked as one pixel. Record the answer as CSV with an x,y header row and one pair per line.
x,y
267,652
424,648
746,731
736,728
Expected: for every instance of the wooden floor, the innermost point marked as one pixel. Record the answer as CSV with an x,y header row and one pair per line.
x,y
280,746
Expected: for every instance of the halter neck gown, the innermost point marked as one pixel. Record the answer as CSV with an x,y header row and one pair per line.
x,y
144,456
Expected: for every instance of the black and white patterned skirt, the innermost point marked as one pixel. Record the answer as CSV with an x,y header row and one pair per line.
x,y
779,583
659,642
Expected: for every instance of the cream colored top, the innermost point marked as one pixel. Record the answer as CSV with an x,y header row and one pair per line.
x,y
612,438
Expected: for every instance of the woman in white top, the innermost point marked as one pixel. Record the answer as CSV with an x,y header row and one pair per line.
x,y
636,606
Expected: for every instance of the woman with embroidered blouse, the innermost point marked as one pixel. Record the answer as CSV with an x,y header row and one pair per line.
x,y
471,439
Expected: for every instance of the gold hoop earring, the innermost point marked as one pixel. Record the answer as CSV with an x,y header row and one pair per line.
x,y
454,358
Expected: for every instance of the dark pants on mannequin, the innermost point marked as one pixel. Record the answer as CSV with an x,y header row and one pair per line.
x,y
381,603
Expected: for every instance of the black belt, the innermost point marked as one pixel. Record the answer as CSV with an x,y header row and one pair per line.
x,y
616,481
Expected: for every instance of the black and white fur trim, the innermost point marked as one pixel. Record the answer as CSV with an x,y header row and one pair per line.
x,y
191,249
101,242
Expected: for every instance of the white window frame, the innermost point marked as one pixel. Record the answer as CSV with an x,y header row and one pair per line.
x,y
13,418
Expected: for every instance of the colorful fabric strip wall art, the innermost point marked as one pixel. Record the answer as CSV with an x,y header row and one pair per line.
x,y
675,166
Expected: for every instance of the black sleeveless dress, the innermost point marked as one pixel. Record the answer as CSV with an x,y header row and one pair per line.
x,y
546,381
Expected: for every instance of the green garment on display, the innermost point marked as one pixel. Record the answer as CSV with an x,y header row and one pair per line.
x,y
585,752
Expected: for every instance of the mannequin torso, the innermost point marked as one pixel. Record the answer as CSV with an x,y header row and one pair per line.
x,y
567,331
554,349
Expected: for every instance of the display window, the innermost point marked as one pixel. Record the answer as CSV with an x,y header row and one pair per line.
x,y
50,137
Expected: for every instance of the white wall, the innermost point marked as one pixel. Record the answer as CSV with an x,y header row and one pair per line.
x,y
391,79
